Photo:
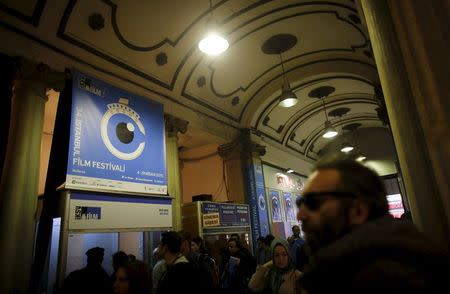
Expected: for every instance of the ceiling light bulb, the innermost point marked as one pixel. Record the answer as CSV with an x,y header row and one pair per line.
x,y
213,44
290,170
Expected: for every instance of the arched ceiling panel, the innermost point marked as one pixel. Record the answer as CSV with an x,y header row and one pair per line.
x,y
153,45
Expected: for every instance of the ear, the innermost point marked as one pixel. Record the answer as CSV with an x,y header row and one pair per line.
x,y
359,212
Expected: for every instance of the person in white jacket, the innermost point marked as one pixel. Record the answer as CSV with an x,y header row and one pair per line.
x,y
277,276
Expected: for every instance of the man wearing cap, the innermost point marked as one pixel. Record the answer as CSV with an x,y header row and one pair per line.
x,y
90,279
356,246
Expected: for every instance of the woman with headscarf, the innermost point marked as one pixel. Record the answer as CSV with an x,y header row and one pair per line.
x,y
277,276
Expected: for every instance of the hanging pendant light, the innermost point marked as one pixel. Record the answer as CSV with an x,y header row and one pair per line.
x,y
346,147
361,158
330,132
213,43
288,97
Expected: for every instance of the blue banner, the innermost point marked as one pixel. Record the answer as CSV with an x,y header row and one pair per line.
x,y
116,140
257,201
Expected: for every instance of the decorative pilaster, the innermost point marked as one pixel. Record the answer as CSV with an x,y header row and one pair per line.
x,y
410,45
19,182
243,169
173,126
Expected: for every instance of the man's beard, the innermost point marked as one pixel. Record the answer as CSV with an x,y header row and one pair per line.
x,y
330,229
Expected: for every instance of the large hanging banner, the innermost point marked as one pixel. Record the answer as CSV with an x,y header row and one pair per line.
x,y
116,140
257,200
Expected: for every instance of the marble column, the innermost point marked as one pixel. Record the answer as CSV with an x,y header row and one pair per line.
x,y
19,181
173,126
410,44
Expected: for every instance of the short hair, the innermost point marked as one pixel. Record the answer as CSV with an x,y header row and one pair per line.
x,y
359,180
172,240
235,240
295,226
95,255
269,238
137,274
119,258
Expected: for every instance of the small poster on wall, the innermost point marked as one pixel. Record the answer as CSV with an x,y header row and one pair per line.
x,y
275,204
289,207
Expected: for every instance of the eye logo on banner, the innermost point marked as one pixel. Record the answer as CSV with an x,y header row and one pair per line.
x,y
261,202
116,140
119,133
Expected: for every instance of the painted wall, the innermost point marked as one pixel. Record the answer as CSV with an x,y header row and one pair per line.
x,y
202,173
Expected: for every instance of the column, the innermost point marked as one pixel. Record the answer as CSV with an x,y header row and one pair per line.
x,y
243,168
19,182
173,126
410,44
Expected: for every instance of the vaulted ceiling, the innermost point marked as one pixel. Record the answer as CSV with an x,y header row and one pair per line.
x,y
153,44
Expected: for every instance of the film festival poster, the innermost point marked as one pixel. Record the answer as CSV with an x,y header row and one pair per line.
x,y
275,205
289,207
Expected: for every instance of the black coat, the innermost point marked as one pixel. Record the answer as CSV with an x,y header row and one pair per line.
x,y
382,256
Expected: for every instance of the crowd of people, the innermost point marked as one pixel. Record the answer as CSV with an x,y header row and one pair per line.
x,y
351,245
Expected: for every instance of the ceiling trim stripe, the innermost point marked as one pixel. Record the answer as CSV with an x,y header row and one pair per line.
x,y
161,43
61,34
31,19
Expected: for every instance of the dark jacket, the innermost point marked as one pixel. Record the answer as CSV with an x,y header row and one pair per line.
x,y
382,256
235,278
180,277
91,279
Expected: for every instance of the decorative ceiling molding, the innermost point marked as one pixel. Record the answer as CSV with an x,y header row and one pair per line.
x,y
352,49
274,103
172,43
37,7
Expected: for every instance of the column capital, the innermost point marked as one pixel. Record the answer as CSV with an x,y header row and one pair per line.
x,y
36,78
243,144
175,125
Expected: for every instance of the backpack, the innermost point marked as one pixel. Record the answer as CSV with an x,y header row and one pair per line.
x,y
206,266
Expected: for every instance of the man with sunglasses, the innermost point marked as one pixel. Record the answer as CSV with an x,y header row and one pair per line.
x,y
356,247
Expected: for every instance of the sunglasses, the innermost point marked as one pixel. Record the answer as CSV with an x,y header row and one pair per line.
x,y
314,200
